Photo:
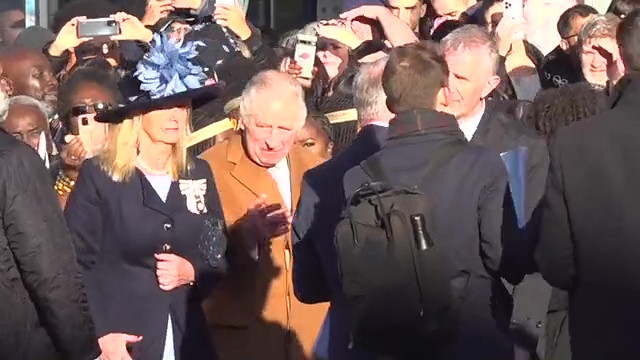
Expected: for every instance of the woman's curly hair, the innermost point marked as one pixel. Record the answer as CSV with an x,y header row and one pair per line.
x,y
553,108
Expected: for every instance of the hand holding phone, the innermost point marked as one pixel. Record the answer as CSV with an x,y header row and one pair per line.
x,y
305,55
101,27
91,133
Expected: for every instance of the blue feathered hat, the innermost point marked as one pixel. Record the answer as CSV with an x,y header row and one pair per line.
x,y
167,76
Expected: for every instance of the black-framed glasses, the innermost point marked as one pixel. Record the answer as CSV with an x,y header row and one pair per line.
x,y
84,109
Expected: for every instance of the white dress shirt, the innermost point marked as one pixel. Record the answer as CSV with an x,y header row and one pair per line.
x,y
281,175
470,125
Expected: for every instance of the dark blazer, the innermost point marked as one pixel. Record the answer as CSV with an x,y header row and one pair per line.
x,y
315,266
117,229
499,131
44,312
589,230
469,195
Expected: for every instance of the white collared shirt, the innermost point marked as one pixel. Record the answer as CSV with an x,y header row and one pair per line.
x,y
281,175
470,125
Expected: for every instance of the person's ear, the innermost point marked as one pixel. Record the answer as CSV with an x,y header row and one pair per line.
x,y
329,150
491,84
564,45
423,10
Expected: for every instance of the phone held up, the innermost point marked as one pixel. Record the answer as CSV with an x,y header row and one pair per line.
x,y
305,54
91,133
515,9
101,27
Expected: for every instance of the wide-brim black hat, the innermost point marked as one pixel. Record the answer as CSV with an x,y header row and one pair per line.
x,y
166,77
197,97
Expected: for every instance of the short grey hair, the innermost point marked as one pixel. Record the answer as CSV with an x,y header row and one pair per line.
x,y
22,100
472,37
599,27
368,94
263,84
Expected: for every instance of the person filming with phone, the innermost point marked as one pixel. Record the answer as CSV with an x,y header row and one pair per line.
x,y
84,39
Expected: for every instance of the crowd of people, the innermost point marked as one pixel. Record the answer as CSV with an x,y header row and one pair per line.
x,y
182,190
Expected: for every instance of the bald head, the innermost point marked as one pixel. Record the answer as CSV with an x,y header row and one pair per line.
x,y
31,74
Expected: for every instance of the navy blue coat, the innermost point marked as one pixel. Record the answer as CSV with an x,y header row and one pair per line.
x,y
315,267
117,228
468,194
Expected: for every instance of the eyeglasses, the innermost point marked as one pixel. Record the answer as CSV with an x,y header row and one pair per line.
x,y
84,109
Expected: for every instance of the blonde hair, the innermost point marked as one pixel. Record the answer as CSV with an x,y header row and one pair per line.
x,y
118,159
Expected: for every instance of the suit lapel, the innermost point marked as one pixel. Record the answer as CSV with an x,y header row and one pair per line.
x,y
296,172
150,197
253,177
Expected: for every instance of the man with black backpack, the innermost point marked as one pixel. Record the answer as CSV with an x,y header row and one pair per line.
x,y
420,243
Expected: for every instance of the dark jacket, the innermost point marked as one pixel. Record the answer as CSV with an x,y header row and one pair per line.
x,y
589,236
468,194
505,90
44,312
315,266
117,229
559,69
500,132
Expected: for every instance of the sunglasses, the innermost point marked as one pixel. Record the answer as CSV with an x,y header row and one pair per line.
x,y
84,109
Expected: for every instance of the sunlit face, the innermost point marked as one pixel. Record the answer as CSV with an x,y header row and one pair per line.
x,y
166,126
26,123
594,65
31,74
271,128
451,9
409,11
312,137
333,55
469,78
87,100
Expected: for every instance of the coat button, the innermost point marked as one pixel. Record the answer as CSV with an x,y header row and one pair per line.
x,y
168,226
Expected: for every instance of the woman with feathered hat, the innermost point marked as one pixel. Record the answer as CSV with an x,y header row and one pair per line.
x,y
146,218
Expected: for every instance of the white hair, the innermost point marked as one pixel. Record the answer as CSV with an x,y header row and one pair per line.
x,y
277,85
368,94
599,27
22,100
472,37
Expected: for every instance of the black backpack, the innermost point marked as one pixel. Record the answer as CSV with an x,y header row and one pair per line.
x,y
392,270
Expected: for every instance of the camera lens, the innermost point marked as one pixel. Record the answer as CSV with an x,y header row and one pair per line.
x,y
111,23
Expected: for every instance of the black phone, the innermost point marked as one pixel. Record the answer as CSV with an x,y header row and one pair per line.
x,y
100,27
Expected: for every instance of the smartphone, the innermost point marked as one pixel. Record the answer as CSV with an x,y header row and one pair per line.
x,y
305,54
514,9
92,133
98,27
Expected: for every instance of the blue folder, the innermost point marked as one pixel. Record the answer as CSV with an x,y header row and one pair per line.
x,y
516,162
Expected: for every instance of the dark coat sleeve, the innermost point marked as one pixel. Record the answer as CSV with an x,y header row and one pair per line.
x,y
84,218
555,254
309,282
490,215
42,247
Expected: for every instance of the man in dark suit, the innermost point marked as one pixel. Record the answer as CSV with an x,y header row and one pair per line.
x,y
44,310
589,230
467,194
472,57
315,267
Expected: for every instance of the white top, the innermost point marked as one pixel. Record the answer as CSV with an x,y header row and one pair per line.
x,y
469,126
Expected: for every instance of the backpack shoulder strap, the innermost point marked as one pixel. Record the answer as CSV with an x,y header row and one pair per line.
x,y
373,168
